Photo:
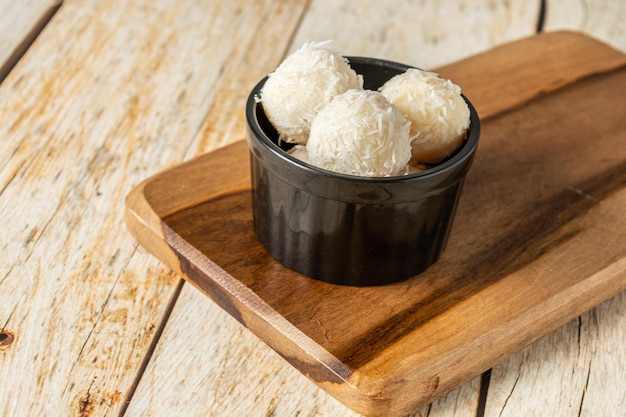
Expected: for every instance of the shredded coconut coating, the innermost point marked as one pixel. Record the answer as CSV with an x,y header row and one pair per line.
x,y
302,85
438,114
360,133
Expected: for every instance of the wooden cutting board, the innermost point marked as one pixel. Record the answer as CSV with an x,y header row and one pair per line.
x,y
539,237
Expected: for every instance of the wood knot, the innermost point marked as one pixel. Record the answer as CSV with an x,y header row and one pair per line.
x,y
6,339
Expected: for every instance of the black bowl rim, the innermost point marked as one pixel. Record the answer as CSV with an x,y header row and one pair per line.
x,y
468,149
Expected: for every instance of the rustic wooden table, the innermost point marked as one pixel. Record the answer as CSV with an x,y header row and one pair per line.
x,y
97,96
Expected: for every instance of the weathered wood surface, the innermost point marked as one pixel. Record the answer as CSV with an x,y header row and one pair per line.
x,y
426,34
112,92
20,23
576,371
602,19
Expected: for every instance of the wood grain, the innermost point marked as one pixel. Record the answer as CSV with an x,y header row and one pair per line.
x,y
426,34
498,92
20,24
579,363
85,304
601,19
376,354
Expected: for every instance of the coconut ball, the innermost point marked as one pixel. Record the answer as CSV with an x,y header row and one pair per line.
x,y
302,85
299,152
438,114
360,133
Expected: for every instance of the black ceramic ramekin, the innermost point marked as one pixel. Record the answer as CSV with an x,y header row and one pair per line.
x,y
345,229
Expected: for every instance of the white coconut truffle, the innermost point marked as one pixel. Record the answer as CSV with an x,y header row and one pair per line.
x,y
302,85
360,133
299,152
438,114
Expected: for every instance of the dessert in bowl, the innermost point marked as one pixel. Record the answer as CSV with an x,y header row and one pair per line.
x,y
353,226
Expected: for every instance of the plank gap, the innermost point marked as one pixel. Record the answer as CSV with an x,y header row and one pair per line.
x,y
541,18
28,40
152,347
482,395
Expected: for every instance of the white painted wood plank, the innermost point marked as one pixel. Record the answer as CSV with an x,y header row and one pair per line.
x,y
579,370
82,122
602,19
425,33
20,22
603,332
